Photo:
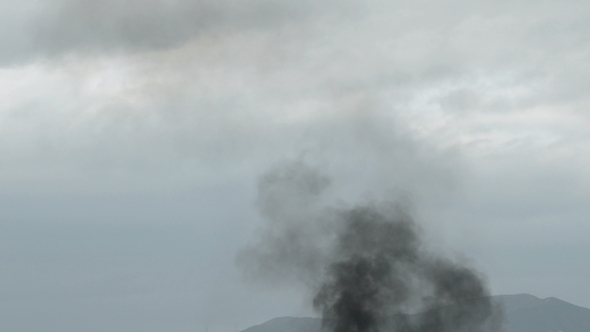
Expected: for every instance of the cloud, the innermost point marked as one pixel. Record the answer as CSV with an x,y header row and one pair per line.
x,y
59,27
266,79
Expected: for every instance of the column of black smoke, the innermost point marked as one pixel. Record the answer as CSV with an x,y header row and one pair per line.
x,y
366,264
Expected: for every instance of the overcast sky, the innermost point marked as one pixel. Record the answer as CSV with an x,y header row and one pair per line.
x,y
133,134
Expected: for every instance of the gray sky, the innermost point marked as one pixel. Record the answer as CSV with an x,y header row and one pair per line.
x,y
133,134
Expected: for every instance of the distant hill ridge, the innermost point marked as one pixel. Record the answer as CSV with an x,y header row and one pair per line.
x,y
527,313
522,313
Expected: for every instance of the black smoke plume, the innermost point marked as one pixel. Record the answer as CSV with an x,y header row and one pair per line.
x,y
366,264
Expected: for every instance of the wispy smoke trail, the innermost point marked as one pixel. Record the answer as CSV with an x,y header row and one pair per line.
x,y
367,265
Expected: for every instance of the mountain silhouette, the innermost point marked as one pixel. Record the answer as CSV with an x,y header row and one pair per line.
x,y
522,313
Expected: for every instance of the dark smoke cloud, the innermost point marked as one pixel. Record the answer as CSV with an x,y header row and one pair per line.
x,y
367,264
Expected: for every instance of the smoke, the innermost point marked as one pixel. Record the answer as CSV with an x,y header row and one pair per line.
x,y
367,264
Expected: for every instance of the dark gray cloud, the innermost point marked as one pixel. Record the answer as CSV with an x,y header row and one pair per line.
x,y
147,25
60,27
